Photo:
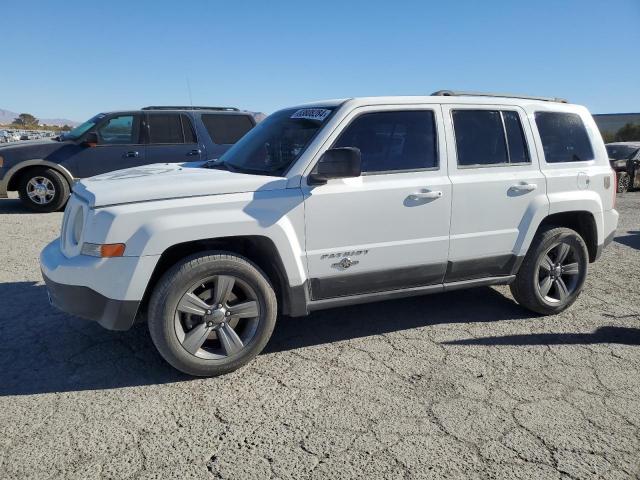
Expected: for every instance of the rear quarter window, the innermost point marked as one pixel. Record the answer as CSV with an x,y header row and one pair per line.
x,y
564,137
226,129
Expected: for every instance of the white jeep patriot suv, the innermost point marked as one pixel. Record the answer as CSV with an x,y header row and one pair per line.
x,y
337,203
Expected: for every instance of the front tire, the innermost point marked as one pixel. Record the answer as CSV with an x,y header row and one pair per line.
x,y
212,313
553,272
43,190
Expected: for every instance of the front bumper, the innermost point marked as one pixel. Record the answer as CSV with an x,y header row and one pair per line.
x,y
106,290
86,303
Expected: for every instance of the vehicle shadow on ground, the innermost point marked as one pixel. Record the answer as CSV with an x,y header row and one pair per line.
x,y
12,206
632,240
43,350
474,305
611,334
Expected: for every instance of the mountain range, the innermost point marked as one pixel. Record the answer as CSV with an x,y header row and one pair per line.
x,y
7,116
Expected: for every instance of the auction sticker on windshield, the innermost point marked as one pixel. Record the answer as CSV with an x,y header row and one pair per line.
x,y
312,114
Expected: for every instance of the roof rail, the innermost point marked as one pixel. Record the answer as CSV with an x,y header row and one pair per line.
x,y
165,107
454,93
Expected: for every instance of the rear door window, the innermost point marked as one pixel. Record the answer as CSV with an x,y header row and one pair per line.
x,y
187,130
480,137
516,142
564,137
226,129
165,128
489,137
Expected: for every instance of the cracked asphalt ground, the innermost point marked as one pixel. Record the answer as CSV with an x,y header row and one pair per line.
x,y
459,385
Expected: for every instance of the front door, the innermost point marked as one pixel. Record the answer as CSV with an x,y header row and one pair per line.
x,y
172,138
119,146
497,187
389,228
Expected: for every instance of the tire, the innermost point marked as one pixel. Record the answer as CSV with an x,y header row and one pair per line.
x,y
52,181
178,322
534,275
623,183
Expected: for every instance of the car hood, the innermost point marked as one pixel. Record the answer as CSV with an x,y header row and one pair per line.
x,y
162,181
46,149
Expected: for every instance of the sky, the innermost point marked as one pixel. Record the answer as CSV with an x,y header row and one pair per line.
x,y
73,59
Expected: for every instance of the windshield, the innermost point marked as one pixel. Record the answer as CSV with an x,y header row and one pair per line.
x,y
80,130
620,152
276,142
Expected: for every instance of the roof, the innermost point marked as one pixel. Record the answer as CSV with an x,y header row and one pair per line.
x,y
449,97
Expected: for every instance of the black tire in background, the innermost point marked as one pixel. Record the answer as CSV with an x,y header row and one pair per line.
x,y
623,182
50,178
166,318
570,273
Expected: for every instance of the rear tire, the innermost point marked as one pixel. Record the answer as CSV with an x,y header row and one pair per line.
x,y
43,190
553,272
212,313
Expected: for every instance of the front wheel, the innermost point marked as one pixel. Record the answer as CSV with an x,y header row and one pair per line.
x,y
43,190
212,313
553,272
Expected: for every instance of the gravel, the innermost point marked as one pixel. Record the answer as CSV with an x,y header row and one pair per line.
x,y
464,384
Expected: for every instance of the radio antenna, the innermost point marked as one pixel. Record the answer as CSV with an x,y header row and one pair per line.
x,y
189,90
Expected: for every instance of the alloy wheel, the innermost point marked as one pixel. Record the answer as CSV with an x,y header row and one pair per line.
x,y
558,273
41,190
217,317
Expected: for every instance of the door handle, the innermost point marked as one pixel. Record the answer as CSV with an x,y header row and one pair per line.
x,y
426,194
131,155
194,152
524,187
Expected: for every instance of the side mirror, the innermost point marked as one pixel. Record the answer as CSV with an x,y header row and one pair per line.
x,y
90,139
342,162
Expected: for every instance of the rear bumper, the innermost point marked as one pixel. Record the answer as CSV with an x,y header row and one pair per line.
x,y
610,225
86,303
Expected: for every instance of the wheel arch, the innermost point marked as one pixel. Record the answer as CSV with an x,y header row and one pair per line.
x,y
260,250
14,174
582,221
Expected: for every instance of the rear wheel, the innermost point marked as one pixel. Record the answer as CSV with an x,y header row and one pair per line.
x,y
553,272
43,189
212,313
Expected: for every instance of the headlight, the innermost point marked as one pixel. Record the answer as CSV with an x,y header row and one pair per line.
x,y
78,223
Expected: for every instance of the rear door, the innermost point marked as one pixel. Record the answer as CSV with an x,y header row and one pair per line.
x,y
497,184
171,138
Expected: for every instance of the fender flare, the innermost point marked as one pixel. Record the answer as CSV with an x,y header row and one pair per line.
x,y
36,162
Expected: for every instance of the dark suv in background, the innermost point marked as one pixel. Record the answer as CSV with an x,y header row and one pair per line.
x,y
43,171
625,160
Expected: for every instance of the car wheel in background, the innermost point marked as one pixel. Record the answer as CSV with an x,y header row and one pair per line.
x,y
43,189
623,182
